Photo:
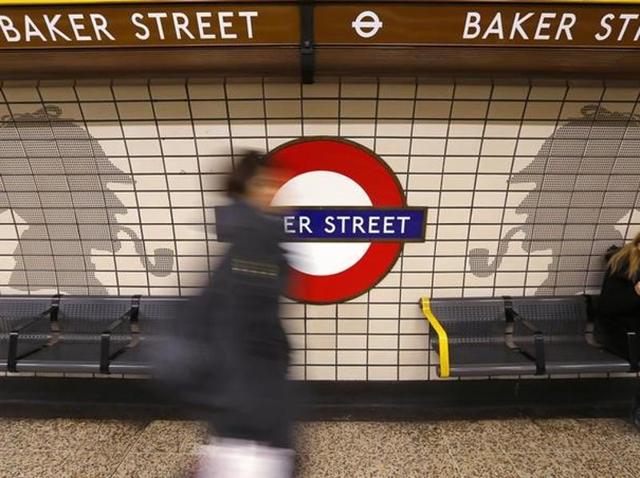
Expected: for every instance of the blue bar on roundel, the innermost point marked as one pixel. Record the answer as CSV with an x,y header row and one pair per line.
x,y
355,224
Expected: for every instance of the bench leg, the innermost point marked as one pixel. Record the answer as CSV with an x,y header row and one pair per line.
x,y
635,412
105,342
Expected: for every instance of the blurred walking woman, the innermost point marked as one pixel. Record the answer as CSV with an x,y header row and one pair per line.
x,y
620,298
248,344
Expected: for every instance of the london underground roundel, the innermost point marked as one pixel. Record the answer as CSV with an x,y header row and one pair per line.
x,y
345,216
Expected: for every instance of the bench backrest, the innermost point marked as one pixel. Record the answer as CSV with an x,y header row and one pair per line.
x,y
558,318
90,314
156,313
17,310
471,320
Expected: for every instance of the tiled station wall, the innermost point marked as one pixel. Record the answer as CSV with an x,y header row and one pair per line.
x,y
108,187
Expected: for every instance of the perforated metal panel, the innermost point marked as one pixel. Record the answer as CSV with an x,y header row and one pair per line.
x,y
559,318
90,315
16,311
471,321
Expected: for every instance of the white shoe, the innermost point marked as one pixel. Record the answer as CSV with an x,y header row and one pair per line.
x,y
229,458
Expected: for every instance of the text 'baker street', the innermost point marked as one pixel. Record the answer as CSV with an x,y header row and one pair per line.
x,y
156,26
549,26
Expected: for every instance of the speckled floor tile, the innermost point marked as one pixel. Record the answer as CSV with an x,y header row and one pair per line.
x,y
584,444
156,465
364,449
478,448
620,439
487,463
561,448
59,464
64,434
519,448
171,436
465,434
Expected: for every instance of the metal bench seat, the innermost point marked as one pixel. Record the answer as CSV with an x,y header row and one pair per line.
x,y
487,359
86,334
64,356
518,336
134,360
77,334
470,336
564,323
579,357
18,312
4,353
156,316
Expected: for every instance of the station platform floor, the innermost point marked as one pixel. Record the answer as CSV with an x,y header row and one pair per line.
x,y
518,447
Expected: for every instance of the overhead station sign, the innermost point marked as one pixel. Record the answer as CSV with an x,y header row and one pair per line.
x,y
83,24
480,24
146,25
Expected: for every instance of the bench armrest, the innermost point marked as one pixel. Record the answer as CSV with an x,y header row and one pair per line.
x,y
44,316
524,325
537,353
632,345
116,325
443,339
12,355
121,324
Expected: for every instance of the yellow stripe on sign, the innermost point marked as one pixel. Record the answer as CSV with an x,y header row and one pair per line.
x,y
66,2
443,339
96,2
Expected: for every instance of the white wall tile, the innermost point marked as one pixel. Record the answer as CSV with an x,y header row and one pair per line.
x,y
382,373
205,89
431,90
436,109
168,90
458,161
360,89
92,90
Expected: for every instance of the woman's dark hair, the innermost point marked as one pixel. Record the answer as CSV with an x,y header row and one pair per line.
x,y
245,170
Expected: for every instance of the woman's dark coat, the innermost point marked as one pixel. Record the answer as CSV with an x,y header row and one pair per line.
x,y
618,309
233,330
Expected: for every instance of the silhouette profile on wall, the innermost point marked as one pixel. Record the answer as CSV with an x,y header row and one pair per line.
x,y
54,176
587,178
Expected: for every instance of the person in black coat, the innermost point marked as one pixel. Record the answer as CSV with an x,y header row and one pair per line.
x,y
228,352
619,305
253,351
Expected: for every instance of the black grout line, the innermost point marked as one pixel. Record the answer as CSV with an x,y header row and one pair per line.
x,y
368,293
205,224
168,192
506,195
337,362
559,257
37,194
305,307
475,185
437,214
551,140
377,138
135,195
403,251
73,203
15,224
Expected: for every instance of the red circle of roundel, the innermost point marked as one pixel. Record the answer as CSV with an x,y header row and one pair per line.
x,y
383,189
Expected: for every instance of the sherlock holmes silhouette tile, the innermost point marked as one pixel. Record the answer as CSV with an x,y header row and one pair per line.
x,y
55,179
586,180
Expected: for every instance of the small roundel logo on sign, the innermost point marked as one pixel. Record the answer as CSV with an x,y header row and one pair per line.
x,y
345,217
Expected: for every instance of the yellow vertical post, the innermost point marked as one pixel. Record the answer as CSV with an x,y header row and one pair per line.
x,y
443,339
